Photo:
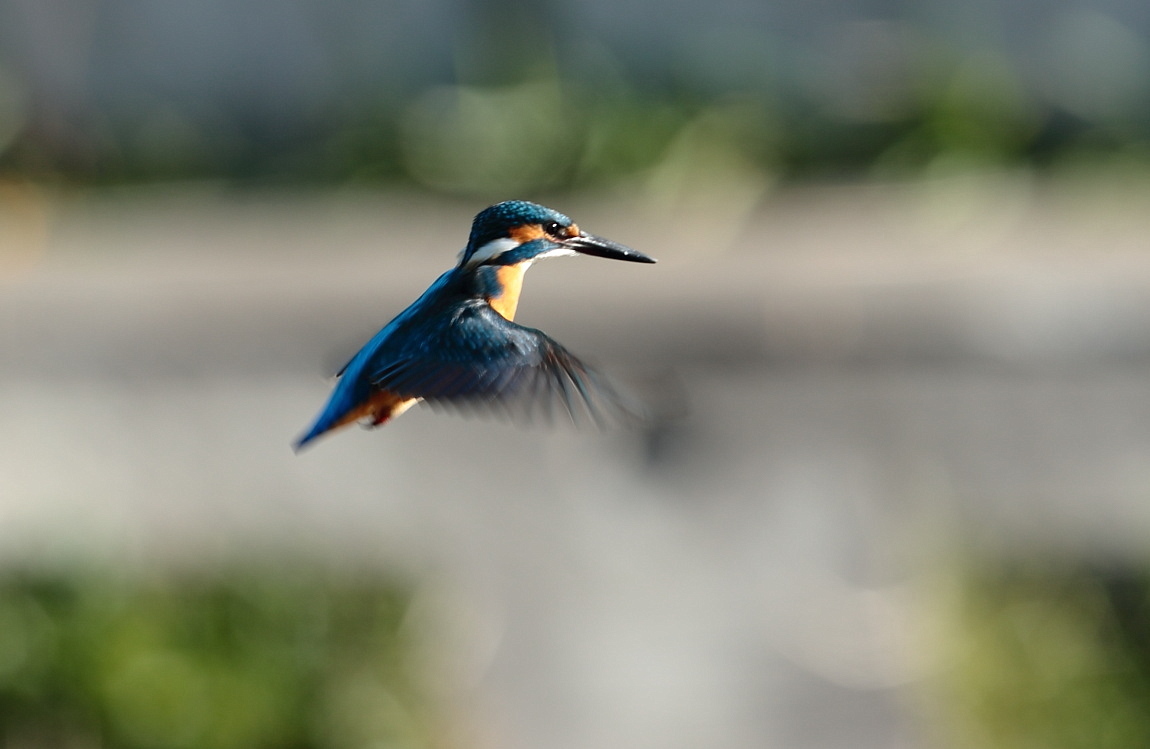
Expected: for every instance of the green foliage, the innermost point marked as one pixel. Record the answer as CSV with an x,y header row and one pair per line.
x,y
245,660
525,102
1050,657
545,132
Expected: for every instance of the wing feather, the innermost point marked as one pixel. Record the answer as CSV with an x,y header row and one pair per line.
x,y
476,359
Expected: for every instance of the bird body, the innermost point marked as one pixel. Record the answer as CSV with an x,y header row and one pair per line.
x,y
458,342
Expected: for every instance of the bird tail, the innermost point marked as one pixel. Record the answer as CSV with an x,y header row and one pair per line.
x,y
381,407
340,409
320,426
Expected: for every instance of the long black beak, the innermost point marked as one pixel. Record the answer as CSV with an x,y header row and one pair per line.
x,y
589,244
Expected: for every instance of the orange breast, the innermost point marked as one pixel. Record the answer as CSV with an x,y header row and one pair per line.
x,y
510,283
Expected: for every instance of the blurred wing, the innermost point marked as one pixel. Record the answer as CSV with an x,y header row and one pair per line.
x,y
479,360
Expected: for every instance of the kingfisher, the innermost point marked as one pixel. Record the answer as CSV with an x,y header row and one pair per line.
x,y
458,344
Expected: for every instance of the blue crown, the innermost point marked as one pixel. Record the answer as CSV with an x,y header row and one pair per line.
x,y
495,222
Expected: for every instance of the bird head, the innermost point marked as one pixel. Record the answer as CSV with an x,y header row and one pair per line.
x,y
517,231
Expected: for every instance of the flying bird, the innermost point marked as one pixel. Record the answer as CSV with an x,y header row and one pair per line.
x,y
458,344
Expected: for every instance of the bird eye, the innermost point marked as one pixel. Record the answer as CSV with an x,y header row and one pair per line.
x,y
555,229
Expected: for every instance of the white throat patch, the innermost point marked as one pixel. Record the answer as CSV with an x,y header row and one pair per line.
x,y
557,252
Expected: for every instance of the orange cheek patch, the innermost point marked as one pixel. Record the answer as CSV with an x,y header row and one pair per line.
x,y
510,284
526,233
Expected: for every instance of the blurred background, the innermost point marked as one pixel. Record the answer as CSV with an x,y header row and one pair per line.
x,y
899,337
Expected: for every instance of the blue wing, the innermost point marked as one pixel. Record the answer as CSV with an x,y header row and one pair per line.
x,y
474,358
459,352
